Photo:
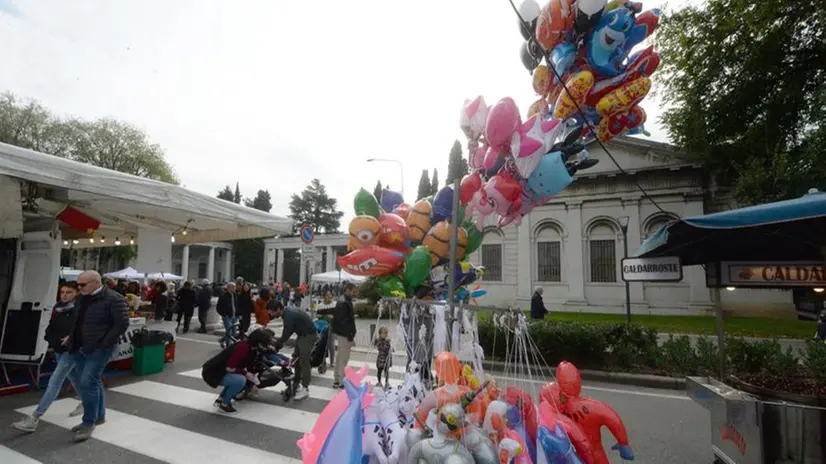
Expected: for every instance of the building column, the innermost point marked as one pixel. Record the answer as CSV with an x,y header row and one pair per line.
x,y
185,263
574,256
211,264
154,250
524,271
700,296
279,266
634,242
265,272
331,260
228,265
302,268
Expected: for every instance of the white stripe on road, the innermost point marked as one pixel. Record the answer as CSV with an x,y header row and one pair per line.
x,y
316,391
261,413
13,457
160,441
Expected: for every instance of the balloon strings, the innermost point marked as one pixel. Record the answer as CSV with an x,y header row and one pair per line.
x,y
546,54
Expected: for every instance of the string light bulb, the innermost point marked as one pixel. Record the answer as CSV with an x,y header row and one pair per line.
x,y
102,239
65,242
132,240
731,289
117,241
172,239
818,290
184,232
75,242
91,240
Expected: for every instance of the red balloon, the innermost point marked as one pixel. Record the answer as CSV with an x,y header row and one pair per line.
x,y
471,184
393,232
372,261
550,415
402,210
524,402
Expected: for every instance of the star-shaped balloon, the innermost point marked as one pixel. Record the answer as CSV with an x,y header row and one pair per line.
x,y
532,140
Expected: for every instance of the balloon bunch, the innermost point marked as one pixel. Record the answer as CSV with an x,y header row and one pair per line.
x,y
462,421
407,248
587,45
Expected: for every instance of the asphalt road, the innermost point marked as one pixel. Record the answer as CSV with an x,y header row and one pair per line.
x,y
169,417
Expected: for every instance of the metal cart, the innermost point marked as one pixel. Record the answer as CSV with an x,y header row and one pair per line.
x,y
746,429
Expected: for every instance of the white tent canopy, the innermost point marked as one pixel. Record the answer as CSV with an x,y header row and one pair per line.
x,y
163,276
127,273
331,277
123,202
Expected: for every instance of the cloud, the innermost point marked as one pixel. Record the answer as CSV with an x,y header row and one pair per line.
x,y
9,7
274,94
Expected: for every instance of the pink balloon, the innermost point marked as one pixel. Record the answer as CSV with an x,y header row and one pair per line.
x,y
503,120
311,444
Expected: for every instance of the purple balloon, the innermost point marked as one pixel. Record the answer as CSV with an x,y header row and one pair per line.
x,y
442,205
390,199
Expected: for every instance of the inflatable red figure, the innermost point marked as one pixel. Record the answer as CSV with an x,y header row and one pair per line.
x,y
524,403
589,414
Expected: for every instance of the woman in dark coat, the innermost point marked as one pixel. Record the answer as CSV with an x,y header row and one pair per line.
x,y
538,310
245,308
160,301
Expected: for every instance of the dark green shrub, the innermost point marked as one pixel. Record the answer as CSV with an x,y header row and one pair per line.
x,y
369,291
783,363
814,360
708,356
679,356
751,357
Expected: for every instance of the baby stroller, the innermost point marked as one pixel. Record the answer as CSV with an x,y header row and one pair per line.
x,y
264,367
318,355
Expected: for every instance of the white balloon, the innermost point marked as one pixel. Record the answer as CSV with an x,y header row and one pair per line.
x,y
590,7
529,10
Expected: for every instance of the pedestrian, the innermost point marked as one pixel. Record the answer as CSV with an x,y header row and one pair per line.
x,y
204,303
159,300
226,307
538,310
244,307
61,326
229,369
300,323
102,318
385,358
326,307
344,328
186,305
262,318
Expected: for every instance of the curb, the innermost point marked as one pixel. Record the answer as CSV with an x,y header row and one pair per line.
x,y
619,378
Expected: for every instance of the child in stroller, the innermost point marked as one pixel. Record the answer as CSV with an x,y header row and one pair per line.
x,y
263,367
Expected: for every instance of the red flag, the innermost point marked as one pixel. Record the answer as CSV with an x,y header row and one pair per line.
x,y
78,220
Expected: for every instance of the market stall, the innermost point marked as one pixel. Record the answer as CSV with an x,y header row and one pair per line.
x,y
122,356
778,245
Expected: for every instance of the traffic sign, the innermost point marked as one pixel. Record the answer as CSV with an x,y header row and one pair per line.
x,y
307,233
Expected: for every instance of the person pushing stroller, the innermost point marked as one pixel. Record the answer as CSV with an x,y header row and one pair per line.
x,y
300,323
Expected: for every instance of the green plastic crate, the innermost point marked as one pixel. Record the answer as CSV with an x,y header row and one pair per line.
x,y
148,360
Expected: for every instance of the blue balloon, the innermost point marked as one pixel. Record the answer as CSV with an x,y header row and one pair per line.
x,y
442,205
556,446
390,199
550,176
343,444
514,417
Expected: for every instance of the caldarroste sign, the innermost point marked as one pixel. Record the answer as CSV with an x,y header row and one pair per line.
x,y
773,274
662,269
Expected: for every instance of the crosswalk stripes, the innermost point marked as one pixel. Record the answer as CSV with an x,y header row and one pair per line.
x,y
8,455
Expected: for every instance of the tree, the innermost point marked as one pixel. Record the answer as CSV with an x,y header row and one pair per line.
x,y
107,143
377,191
744,83
237,196
424,186
434,182
457,166
226,194
262,201
315,207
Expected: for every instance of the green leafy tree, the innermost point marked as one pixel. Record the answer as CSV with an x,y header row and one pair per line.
x,y
226,194
237,196
314,206
434,182
262,201
424,186
107,143
743,82
377,191
457,166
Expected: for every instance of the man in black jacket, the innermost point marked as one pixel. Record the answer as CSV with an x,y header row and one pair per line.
x,y
344,328
204,303
298,322
227,308
102,318
186,305
538,310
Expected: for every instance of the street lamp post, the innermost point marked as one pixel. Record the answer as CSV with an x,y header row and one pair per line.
x,y
387,160
623,223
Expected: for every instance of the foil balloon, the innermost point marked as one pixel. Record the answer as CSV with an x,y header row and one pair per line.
x,y
470,184
390,286
418,221
641,64
343,444
530,54
442,205
616,33
578,85
500,195
365,204
437,241
476,156
503,119
555,445
474,237
542,81
528,12
371,261
623,98
447,368
555,21
390,199
550,176
588,14
473,117
363,231
402,211
393,231
416,267
614,125
372,434
532,140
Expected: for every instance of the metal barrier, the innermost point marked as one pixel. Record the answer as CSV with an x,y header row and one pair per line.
x,y
746,429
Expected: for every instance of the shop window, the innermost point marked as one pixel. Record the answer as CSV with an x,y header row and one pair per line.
x,y
602,252
548,239
492,261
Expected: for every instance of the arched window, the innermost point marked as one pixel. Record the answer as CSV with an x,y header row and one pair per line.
x,y
491,251
656,222
548,239
602,248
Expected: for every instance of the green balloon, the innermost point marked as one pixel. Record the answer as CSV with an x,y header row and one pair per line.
x,y
390,286
366,204
474,239
416,267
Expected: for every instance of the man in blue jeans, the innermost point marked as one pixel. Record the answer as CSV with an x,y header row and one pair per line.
x,y
102,318
227,308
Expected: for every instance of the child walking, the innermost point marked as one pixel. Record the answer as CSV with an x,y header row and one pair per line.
x,y
385,358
